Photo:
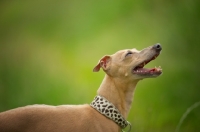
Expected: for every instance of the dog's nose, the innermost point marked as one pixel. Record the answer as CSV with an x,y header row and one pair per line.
x,y
157,47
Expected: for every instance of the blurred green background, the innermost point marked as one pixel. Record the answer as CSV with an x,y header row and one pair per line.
x,y
49,48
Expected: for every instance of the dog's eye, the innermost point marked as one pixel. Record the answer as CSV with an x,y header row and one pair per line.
x,y
129,53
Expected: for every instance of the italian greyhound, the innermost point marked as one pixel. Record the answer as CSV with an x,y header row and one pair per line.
x,y
107,112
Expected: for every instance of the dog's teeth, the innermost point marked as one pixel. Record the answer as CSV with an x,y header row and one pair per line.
x,y
158,68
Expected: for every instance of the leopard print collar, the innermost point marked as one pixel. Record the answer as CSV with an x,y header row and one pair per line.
x,y
107,109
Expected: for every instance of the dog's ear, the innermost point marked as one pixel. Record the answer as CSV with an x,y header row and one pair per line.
x,y
103,63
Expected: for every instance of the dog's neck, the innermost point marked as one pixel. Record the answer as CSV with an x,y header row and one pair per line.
x,y
106,108
118,92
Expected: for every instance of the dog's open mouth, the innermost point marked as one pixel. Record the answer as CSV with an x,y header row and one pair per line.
x,y
147,71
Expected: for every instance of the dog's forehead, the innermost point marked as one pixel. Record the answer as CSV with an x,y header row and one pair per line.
x,y
134,50
121,53
126,50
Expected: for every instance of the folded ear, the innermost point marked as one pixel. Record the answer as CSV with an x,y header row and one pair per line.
x,y
103,63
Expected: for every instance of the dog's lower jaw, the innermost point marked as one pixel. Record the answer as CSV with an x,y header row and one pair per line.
x,y
120,94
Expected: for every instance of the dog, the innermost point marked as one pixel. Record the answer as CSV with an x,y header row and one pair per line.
x,y
107,112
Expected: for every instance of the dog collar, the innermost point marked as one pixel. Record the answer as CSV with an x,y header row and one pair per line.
x,y
107,109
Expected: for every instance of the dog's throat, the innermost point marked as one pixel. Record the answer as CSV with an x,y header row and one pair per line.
x,y
107,109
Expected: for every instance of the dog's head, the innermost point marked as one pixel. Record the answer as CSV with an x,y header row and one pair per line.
x,y
130,63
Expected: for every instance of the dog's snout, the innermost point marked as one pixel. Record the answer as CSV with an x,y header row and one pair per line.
x,y
157,47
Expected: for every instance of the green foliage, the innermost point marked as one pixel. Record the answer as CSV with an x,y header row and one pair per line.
x,y
49,48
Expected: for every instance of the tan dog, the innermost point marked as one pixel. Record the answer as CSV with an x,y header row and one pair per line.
x,y
123,71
